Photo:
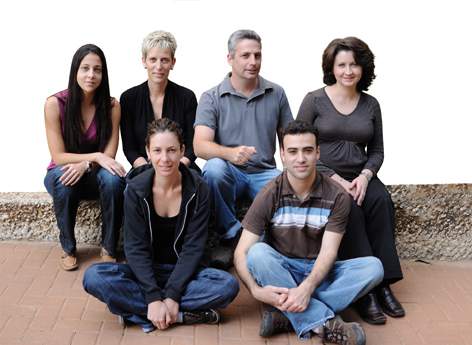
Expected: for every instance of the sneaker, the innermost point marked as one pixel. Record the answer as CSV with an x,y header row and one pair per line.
x,y
274,322
68,262
106,257
209,316
343,333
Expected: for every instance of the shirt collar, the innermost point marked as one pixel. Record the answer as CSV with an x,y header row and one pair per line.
x,y
316,189
226,87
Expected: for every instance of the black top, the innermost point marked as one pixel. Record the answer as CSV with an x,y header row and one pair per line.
x,y
190,233
348,143
163,230
180,105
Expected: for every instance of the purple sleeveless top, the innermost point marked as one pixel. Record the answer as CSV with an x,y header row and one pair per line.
x,y
88,140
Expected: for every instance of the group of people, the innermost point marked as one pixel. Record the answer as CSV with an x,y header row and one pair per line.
x,y
318,236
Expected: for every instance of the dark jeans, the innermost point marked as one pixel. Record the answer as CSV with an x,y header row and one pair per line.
x,y
96,184
371,231
117,286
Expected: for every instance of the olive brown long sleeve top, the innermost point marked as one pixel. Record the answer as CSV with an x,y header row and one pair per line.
x,y
348,143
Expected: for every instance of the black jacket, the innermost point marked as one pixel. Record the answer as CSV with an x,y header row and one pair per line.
x,y
190,236
180,105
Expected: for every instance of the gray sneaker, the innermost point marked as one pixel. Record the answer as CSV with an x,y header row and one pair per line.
x,y
209,316
343,333
274,322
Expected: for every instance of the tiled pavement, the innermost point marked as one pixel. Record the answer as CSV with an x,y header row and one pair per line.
x,y
41,304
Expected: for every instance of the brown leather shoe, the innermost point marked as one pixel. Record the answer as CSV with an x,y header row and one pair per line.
x,y
106,257
68,262
369,309
389,303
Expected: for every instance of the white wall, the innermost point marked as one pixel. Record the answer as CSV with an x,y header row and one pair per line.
x,y
422,52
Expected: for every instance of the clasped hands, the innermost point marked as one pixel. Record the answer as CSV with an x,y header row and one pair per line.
x,y
357,188
163,313
294,300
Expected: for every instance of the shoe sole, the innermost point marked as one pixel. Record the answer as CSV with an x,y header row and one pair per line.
x,y
375,322
68,268
392,314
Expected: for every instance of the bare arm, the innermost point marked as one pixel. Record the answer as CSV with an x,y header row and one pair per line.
x,y
57,147
205,147
272,295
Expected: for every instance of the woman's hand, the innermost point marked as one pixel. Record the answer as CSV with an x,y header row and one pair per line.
x,y
345,184
73,172
359,187
173,308
110,164
158,314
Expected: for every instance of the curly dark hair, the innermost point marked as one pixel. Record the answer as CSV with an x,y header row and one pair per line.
x,y
164,125
362,55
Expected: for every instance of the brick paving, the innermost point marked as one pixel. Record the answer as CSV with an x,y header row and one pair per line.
x,y
41,304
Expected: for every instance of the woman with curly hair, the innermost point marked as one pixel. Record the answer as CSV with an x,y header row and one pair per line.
x,y
349,123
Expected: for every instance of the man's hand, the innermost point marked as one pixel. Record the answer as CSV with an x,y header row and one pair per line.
x,y
173,308
241,154
158,314
298,299
273,295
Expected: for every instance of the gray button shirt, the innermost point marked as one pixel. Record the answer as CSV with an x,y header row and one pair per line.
x,y
251,121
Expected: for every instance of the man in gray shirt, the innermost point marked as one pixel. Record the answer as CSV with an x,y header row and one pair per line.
x,y
235,131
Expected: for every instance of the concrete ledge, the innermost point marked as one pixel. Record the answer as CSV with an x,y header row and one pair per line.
x,y
433,221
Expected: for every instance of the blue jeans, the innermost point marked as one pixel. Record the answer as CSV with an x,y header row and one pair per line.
x,y
117,286
95,184
347,281
227,184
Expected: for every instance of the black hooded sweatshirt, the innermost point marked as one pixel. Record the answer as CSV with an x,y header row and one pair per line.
x,y
189,239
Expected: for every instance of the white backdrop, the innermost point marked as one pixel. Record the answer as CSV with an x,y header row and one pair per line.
x,y
422,53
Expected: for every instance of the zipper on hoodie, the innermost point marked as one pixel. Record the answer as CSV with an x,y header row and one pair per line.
x,y
183,224
149,219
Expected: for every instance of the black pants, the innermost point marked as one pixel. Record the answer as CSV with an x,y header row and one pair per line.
x,y
371,231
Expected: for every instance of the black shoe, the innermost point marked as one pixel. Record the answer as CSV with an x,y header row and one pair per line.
x,y
389,303
209,316
343,333
369,309
274,322
222,256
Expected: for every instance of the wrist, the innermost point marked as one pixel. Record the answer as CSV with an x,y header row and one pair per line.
x,y
367,174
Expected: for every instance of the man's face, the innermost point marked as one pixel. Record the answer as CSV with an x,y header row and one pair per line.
x,y
299,155
246,60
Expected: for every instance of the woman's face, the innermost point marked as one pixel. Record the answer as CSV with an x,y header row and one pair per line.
x,y
165,152
89,74
158,63
346,71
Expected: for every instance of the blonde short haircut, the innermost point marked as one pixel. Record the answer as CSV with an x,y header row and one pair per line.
x,y
160,39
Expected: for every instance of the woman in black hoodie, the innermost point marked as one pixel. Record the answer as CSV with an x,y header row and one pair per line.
x,y
165,231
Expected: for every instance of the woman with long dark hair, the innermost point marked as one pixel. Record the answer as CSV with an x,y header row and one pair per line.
x,y
82,129
349,123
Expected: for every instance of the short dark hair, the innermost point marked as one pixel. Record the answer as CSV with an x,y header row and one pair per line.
x,y
362,55
164,125
299,127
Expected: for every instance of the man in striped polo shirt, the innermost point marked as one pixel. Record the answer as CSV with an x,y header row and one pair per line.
x,y
302,215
